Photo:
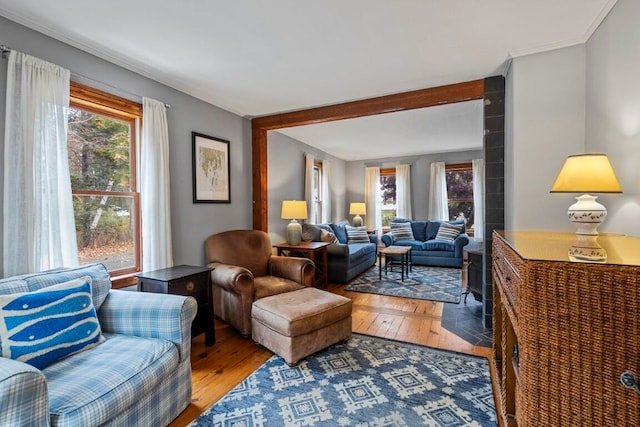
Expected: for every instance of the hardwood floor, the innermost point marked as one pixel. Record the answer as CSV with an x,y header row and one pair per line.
x,y
219,368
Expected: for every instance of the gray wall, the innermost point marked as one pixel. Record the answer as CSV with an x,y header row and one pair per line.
x,y
286,166
545,123
420,176
579,99
191,223
613,110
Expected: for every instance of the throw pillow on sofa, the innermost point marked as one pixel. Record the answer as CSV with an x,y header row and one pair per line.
x,y
401,231
311,233
43,326
448,232
357,234
328,236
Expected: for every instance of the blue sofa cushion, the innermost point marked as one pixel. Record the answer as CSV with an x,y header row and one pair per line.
x,y
358,251
44,326
438,245
419,229
415,244
100,280
340,231
107,377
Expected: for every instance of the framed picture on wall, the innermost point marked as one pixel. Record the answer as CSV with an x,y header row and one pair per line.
x,y
211,175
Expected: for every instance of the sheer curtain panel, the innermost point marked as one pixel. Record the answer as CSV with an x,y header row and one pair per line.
x,y
155,199
308,188
438,209
373,219
38,226
403,191
478,199
326,192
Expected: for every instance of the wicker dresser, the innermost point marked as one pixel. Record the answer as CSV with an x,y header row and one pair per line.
x,y
566,328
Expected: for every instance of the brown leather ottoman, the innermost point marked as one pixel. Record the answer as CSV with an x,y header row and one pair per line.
x,y
296,324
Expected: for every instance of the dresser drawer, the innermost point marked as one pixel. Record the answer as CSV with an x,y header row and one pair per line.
x,y
189,286
507,268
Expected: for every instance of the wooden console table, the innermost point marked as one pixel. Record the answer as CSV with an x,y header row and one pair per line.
x,y
309,249
566,329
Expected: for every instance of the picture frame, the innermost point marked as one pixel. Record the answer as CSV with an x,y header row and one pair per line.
x,y
211,169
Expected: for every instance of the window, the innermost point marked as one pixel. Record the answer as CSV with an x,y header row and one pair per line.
x,y
387,195
459,179
102,140
317,191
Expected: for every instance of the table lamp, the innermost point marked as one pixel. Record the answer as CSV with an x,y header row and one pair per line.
x,y
357,209
586,173
293,210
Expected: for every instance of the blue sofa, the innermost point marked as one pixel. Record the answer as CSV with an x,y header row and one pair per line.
x,y
344,260
140,375
425,249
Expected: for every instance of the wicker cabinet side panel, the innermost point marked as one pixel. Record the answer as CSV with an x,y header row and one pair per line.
x,y
582,331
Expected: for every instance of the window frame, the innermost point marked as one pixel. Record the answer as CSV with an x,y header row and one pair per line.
x,y
465,166
317,169
96,101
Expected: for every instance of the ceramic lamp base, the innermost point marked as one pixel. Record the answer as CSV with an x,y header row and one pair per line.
x,y
294,232
357,221
587,214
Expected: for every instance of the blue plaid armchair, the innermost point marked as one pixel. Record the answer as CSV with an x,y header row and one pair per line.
x,y
140,375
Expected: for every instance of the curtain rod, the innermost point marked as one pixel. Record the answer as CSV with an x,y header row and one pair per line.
x,y
5,52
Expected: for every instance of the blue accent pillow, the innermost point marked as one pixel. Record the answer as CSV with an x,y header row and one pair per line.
x,y
46,325
340,231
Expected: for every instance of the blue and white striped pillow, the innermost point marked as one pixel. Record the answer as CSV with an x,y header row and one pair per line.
x,y
46,325
448,232
401,231
357,234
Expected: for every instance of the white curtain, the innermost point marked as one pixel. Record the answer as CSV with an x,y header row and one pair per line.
x,y
326,192
373,219
403,191
155,200
308,188
38,227
478,199
438,209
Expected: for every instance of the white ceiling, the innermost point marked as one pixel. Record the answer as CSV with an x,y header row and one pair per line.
x,y
257,57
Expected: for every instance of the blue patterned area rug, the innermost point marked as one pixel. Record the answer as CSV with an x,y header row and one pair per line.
x,y
430,283
365,381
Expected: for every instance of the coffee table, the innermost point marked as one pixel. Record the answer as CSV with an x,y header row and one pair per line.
x,y
403,252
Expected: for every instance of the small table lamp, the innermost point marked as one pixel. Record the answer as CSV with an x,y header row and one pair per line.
x,y
294,209
357,209
587,173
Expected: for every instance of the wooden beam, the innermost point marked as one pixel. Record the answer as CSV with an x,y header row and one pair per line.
x,y
404,101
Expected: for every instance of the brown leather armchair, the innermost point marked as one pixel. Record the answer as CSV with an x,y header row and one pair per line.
x,y
245,270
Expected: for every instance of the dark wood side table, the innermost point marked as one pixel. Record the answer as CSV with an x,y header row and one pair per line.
x,y
309,249
185,280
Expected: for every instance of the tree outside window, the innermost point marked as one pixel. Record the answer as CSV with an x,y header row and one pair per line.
x,y
388,207
101,148
459,178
